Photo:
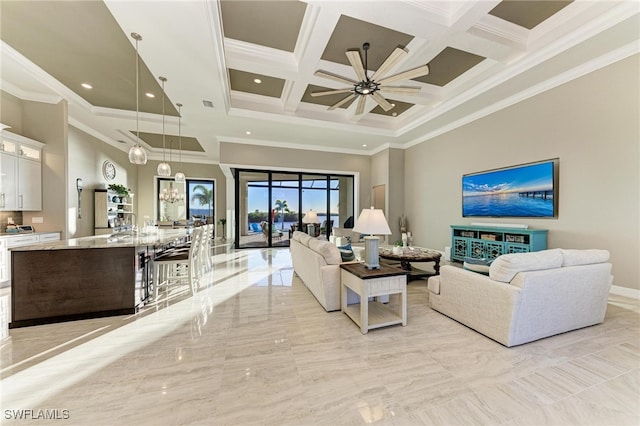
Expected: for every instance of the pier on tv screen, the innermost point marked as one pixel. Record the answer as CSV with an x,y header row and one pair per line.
x,y
526,190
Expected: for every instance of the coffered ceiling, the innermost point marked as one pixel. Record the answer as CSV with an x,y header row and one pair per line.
x,y
245,70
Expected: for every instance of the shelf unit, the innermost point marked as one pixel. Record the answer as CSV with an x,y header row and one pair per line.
x,y
487,242
108,207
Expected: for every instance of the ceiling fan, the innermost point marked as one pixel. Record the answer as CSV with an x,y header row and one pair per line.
x,y
374,85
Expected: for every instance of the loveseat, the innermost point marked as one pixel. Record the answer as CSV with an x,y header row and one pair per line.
x,y
317,263
527,296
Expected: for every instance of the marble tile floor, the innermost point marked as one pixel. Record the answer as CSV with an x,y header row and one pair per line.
x,y
253,347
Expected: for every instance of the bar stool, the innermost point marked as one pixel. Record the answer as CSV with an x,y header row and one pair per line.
x,y
179,267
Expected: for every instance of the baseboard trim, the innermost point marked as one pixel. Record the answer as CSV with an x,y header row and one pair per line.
x,y
625,292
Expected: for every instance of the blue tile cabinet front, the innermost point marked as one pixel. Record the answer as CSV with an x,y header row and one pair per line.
x,y
482,242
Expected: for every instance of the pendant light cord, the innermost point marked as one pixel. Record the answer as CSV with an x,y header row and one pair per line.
x,y
163,144
137,95
180,133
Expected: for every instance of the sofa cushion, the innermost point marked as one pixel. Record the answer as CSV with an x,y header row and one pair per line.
x,y
327,250
505,267
305,239
346,252
583,257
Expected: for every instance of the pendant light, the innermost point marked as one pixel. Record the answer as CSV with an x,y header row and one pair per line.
x,y
137,154
180,177
164,169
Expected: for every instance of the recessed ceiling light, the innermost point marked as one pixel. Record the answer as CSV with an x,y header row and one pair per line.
x,y
248,132
364,145
395,114
392,105
150,95
257,80
87,86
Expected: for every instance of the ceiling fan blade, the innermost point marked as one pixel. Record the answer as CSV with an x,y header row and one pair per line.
x,y
384,104
335,77
342,102
360,107
406,75
331,92
356,62
409,90
395,56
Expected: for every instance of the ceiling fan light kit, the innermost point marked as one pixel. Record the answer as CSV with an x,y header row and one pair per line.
x,y
377,83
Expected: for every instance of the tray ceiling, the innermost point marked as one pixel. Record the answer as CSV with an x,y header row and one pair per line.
x,y
243,67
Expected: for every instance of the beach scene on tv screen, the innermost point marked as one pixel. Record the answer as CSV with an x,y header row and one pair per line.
x,y
525,191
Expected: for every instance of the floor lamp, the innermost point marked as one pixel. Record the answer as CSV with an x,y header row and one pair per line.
x,y
372,222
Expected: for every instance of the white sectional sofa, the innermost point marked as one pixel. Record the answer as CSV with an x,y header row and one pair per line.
x,y
317,263
527,296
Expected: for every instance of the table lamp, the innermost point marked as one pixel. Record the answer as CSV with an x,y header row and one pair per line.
x,y
311,219
372,222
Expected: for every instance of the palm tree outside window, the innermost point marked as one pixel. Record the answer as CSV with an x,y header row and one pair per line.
x,y
201,195
281,209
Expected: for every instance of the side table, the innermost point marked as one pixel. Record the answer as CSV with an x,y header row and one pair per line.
x,y
371,283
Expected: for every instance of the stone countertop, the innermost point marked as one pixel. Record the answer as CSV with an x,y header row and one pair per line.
x,y
162,236
20,234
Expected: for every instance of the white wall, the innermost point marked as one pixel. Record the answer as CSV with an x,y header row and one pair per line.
x,y
85,159
46,123
591,124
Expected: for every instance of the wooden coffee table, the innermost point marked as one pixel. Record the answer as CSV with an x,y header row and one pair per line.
x,y
414,254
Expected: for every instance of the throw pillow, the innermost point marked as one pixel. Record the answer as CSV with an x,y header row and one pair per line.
x,y
346,252
480,266
328,251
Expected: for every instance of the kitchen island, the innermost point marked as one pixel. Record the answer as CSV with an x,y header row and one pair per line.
x,y
85,277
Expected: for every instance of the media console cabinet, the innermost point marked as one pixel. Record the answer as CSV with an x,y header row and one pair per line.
x,y
487,242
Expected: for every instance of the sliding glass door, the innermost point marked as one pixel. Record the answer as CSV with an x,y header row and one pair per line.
x,y
270,206
252,199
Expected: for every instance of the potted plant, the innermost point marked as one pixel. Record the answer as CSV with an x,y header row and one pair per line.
x,y
120,190
397,248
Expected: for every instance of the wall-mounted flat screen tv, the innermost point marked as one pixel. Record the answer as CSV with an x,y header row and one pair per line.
x,y
526,190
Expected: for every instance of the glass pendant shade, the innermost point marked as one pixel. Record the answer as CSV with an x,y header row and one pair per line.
x,y
179,177
164,169
137,155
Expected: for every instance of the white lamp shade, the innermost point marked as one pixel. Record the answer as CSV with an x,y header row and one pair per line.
x,y
179,177
310,217
137,155
164,169
372,222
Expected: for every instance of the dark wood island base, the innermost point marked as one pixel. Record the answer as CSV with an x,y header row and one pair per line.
x,y
87,277
62,285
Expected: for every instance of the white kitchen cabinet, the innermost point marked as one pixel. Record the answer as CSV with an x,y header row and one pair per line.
x,y
20,173
8,187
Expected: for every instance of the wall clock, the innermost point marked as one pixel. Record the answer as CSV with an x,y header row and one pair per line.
x,y
108,170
